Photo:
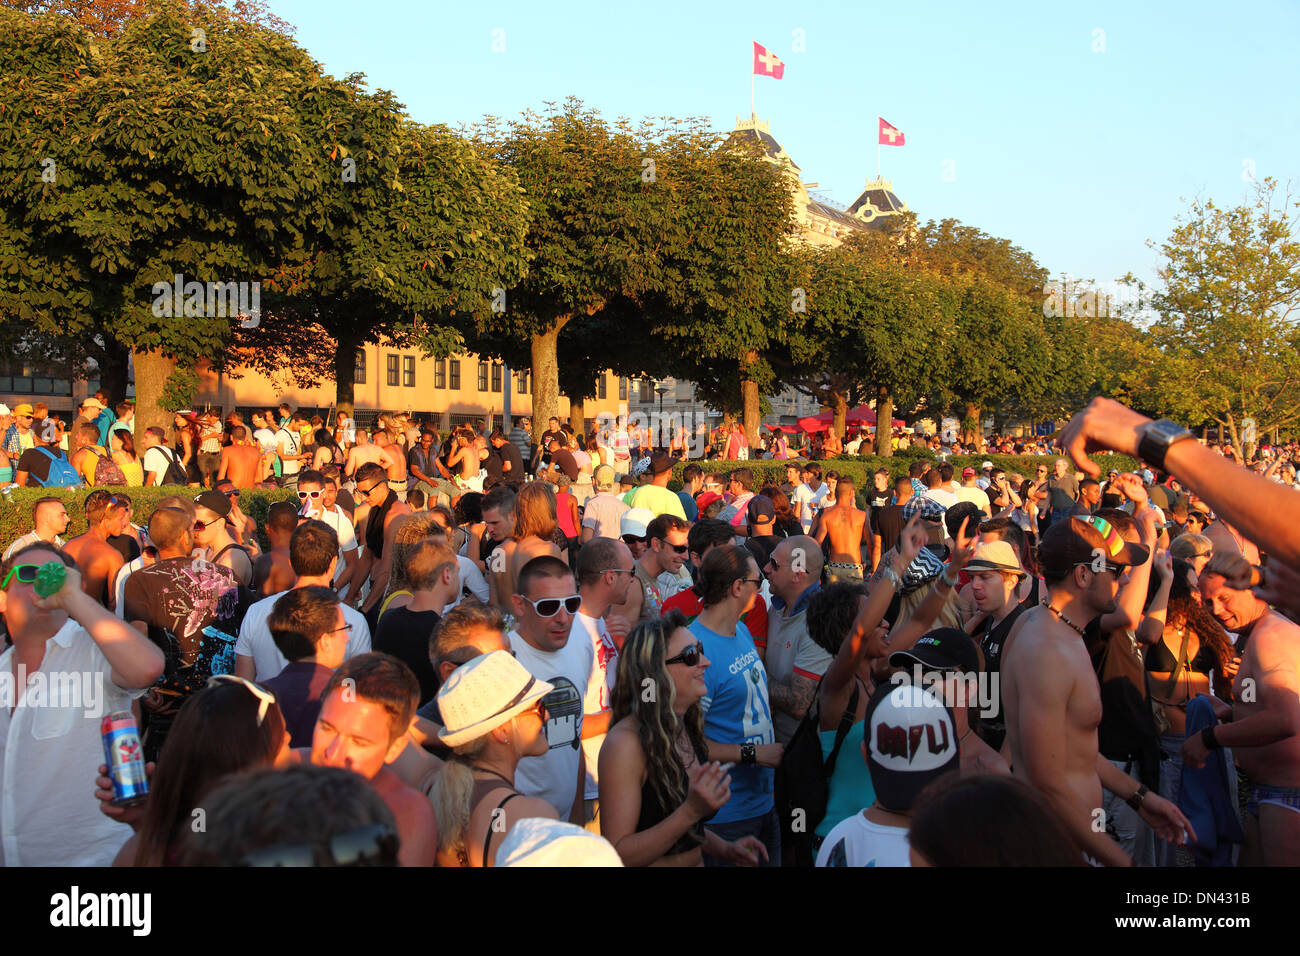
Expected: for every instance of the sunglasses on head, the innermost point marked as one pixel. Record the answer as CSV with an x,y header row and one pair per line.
x,y
264,697
549,607
375,845
690,656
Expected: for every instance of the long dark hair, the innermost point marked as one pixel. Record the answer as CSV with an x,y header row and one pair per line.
x,y
1184,607
216,733
641,667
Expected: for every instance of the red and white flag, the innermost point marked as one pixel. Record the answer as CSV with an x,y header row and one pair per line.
x,y
890,135
767,63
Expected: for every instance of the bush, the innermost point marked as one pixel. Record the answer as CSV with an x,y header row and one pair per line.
x,y
16,509
862,468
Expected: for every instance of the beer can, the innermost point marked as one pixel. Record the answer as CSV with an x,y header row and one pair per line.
x,y
125,759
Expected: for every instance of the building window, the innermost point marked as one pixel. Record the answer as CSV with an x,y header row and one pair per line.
x,y
359,368
521,383
392,368
622,389
455,373
440,374
482,376
496,377
601,387
408,371
647,391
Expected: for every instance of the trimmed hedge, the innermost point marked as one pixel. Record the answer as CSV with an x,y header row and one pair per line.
x,y
16,508
862,468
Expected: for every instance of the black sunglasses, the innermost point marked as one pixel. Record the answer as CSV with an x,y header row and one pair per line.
x,y
679,548
634,539
375,845
549,607
690,657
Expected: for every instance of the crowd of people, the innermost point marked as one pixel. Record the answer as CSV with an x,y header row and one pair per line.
x,y
486,651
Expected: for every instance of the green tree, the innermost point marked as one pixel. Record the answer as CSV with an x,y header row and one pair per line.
x,y
1230,287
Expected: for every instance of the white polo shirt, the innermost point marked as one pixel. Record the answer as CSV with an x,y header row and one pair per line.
x,y
255,638
52,746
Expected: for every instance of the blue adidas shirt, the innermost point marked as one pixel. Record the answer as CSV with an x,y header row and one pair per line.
x,y
737,711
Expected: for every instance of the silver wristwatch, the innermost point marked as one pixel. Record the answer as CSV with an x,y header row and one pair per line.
x,y
1156,440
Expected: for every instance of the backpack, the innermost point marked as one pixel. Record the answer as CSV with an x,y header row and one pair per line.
x,y
61,474
803,780
175,471
108,472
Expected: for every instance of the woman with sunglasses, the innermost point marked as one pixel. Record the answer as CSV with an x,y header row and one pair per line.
x,y
493,717
230,726
657,785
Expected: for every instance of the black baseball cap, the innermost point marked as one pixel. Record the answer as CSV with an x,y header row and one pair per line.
x,y
943,649
214,501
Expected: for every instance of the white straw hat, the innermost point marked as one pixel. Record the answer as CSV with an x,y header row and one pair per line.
x,y
483,694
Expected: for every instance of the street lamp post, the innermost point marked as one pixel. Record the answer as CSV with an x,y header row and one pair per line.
x,y
660,390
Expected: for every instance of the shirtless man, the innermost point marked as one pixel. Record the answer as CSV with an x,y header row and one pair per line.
x,y
499,517
99,561
210,533
242,463
365,712
273,571
1264,732
362,453
381,524
845,525
87,452
394,462
1053,702
465,459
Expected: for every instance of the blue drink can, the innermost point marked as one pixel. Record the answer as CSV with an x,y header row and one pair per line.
x,y
125,759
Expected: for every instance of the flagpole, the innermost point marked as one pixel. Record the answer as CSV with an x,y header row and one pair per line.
x,y
877,155
752,111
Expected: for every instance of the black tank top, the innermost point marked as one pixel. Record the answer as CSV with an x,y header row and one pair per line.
x,y
993,638
653,812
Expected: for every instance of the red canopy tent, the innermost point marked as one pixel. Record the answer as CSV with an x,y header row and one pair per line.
x,y
863,416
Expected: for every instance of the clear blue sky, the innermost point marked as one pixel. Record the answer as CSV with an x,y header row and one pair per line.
x,y
1077,156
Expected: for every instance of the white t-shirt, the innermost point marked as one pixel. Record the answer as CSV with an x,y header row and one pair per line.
x,y
471,577
266,438
157,459
554,777
338,519
255,638
974,495
599,688
31,537
805,499
856,841
288,444
46,752
945,498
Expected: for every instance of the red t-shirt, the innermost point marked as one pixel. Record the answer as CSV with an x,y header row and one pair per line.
x,y
688,602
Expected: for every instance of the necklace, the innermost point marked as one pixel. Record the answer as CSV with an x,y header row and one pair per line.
x,y
1070,624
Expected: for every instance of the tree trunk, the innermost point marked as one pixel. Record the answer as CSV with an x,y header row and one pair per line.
x,y
546,376
345,363
884,422
972,427
578,418
113,370
151,372
839,402
750,404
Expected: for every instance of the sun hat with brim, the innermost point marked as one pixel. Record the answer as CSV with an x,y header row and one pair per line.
x,y
995,556
483,694
538,841
635,521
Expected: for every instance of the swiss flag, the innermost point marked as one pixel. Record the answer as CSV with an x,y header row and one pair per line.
x,y
890,135
767,63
